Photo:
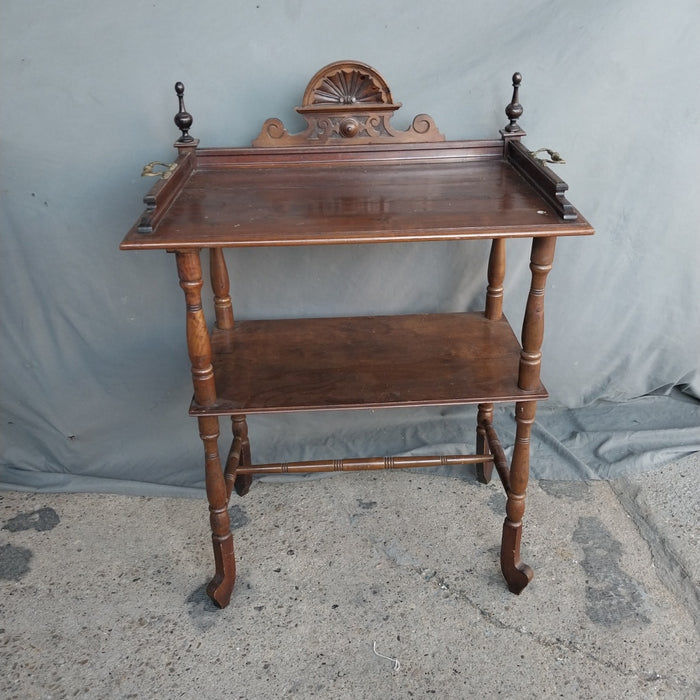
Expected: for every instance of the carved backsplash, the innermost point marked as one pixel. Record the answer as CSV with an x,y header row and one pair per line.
x,y
348,101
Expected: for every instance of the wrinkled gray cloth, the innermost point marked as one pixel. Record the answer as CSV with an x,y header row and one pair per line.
x,y
94,382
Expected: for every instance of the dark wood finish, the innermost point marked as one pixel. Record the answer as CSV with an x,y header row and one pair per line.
x,y
399,199
484,416
493,311
533,324
240,432
220,286
546,182
348,100
516,573
499,457
239,459
164,193
199,348
495,274
514,110
365,362
360,464
350,177
183,119
198,343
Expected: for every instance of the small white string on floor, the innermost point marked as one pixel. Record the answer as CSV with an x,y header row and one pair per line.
x,y
397,664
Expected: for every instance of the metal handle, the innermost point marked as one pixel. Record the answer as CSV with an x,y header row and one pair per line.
x,y
148,170
554,157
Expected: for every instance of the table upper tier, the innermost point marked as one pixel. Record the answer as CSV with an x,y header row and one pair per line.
x,y
281,197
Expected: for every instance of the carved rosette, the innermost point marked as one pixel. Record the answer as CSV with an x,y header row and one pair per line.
x,y
349,102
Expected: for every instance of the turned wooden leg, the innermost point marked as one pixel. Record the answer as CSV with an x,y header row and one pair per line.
x,y
483,469
541,259
517,574
240,430
218,273
496,273
199,350
221,586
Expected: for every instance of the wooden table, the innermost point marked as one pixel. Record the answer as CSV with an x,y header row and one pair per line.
x,y
351,178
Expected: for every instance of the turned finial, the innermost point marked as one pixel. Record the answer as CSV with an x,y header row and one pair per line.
x,y
183,119
514,109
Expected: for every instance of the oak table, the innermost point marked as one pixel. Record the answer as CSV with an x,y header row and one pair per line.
x,y
351,178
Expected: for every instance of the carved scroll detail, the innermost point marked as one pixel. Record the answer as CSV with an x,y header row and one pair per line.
x,y
348,101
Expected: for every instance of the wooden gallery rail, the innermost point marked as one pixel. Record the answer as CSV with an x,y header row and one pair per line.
x,y
351,178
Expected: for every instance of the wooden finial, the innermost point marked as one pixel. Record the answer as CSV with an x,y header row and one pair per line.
x,y
514,109
183,119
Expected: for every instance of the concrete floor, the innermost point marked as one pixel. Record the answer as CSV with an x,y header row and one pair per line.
x,y
369,585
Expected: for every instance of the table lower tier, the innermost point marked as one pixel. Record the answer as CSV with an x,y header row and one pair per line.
x,y
364,362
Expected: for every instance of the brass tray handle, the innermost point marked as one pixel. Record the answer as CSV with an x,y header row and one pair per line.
x,y
165,173
554,157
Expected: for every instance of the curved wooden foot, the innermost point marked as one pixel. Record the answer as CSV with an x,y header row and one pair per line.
x,y
242,484
221,586
516,573
484,470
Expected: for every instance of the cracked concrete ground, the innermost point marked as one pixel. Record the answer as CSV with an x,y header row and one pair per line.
x,y
367,585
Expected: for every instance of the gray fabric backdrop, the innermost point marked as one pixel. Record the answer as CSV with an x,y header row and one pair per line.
x,y
95,381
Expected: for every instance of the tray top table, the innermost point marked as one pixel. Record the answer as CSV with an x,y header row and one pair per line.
x,y
352,178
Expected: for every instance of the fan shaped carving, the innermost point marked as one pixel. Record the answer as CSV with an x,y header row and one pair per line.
x,y
347,83
348,101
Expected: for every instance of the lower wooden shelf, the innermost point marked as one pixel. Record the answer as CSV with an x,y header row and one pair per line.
x,y
364,362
